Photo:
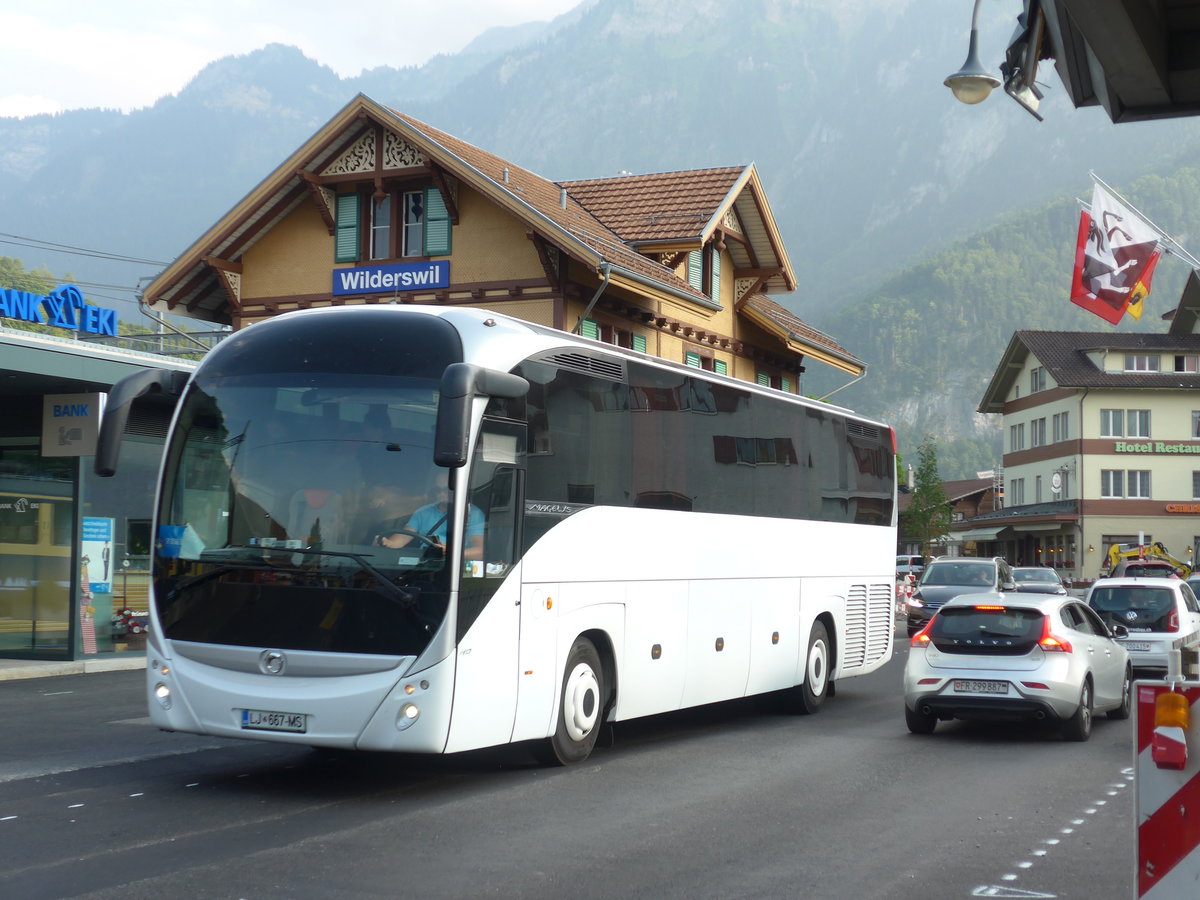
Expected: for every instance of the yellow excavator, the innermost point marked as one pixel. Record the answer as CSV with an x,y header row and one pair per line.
x,y
1152,550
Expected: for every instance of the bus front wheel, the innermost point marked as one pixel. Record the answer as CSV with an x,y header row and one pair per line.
x,y
812,691
581,706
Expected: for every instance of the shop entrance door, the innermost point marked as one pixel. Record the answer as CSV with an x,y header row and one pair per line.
x,y
37,515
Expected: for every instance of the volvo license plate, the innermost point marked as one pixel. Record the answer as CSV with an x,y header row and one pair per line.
x,y
269,720
971,686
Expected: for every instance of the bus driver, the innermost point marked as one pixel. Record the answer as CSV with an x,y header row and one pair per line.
x,y
430,522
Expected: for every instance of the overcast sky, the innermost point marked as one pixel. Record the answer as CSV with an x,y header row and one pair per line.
x,y
125,54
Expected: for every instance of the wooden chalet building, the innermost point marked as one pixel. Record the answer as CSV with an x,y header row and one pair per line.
x,y
377,207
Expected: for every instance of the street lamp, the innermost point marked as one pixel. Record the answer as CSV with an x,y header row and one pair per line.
x,y
972,83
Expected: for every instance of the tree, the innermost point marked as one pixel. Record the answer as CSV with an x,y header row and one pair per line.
x,y
928,514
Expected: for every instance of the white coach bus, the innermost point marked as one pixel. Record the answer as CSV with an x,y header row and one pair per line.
x,y
429,529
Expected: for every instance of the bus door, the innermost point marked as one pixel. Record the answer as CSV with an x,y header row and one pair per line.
x,y
489,590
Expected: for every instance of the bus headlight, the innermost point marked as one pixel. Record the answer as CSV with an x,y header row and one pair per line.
x,y
162,694
407,715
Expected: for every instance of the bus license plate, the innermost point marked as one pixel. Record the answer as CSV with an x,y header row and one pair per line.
x,y
266,720
964,686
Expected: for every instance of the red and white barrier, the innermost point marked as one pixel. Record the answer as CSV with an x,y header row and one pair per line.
x,y
1168,798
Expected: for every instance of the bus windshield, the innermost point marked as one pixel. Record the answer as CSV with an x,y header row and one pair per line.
x,y
286,516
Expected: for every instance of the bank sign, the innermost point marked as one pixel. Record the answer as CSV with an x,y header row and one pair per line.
x,y
394,279
64,307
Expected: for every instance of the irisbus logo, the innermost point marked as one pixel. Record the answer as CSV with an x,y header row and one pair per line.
x,y
398,278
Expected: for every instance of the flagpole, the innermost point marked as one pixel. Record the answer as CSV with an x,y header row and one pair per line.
x,y
1170,241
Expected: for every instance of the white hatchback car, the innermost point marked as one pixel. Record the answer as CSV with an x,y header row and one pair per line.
x,y
1160,614
1014,656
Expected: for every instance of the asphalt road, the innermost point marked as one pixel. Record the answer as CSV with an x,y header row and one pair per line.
x,y
733,800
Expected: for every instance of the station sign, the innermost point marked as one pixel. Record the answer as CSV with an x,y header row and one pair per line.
x,y
398,278
64,307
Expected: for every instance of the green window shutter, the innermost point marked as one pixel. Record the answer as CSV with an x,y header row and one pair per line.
x,y
347,246
437,224
696,269
716,274
590,330
785,384
691,359
763,378
638,343
719,367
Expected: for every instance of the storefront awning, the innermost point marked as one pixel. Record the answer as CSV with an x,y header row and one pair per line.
x,y
981,534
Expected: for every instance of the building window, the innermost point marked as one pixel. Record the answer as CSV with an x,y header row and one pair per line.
x,y
590,329
1141,362
381,228
1137,423
1112,423
1196,423
692,359
1112,483
1037,379
424,226
1016,437
720,367
762,378
1137,483
638,342
1016,492
1196,485
785,385
1037,433
1190,364
1037,489
1062,430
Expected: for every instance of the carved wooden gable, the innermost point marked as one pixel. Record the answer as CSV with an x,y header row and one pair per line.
x,y
360,158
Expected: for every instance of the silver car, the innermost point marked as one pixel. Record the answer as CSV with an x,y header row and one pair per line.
x,y
1015,656
1159,615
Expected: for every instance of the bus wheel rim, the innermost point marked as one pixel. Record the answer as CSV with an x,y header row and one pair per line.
x,y
581,702
818,666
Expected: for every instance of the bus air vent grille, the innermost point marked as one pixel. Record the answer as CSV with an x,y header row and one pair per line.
x,y
601,367
867,431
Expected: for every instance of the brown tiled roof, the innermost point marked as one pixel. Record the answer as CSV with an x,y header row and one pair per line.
x,y
1064,354
545,198
794,326
956,490
658,207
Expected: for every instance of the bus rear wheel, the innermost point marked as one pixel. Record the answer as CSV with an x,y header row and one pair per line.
x,y
580,708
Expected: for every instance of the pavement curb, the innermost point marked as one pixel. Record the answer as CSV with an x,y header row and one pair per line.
x,y
17,669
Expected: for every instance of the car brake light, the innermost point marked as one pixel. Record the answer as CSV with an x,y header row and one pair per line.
x,y
990,608
1050,642
921,638
1173,620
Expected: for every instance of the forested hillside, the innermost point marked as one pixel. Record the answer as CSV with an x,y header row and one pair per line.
x,y
933,334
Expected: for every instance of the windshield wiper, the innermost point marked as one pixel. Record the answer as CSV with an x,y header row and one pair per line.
x,y
407,599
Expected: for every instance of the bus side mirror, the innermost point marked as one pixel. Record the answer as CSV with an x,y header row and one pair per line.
x,y
461,384
166,382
